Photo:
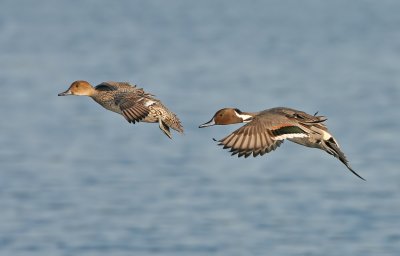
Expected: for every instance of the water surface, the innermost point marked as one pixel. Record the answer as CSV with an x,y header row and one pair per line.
x,y
78,180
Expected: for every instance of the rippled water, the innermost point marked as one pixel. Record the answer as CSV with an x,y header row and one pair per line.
x,y
78,180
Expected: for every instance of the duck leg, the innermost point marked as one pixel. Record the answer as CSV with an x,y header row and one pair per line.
x,y
164,128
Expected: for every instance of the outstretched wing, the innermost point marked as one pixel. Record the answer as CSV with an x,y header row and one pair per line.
x,y
132,107
259,137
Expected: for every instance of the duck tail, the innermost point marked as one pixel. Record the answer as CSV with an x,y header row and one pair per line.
x,y
332,148
174,122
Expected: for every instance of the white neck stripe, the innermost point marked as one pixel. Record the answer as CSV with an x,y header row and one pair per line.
x,y
246,118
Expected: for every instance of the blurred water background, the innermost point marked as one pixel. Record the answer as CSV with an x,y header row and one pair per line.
x,y
78,180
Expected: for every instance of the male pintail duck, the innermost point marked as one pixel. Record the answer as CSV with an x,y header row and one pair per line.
x,y
266,130
131,102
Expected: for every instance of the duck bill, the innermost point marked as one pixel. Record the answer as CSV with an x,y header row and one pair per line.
x,y
67,92
209,123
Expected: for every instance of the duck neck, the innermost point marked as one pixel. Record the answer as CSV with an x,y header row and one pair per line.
x,y
245,116
92,92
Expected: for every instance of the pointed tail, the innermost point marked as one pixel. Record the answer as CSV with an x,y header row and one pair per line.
x,y
331,147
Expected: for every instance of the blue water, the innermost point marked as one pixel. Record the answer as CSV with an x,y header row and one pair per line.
x,y
78,180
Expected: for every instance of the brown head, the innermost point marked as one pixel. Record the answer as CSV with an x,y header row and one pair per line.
x,y
80,88
228,116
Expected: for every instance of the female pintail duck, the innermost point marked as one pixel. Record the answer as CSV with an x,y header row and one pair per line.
x,y
131,102
266,130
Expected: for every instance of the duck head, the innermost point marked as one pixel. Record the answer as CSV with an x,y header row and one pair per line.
x,y
80,88
228,116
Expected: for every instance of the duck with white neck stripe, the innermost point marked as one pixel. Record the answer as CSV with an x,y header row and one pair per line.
x,y
266,130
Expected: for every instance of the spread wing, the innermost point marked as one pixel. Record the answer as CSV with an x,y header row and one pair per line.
x,y
133,102
133,108
259,137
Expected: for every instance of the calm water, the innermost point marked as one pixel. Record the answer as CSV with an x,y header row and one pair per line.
x,y
78,180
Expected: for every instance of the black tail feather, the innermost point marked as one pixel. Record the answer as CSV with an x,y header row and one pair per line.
x,y
333,149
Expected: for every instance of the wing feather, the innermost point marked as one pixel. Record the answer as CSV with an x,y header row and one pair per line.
x,y
132,107
252,138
